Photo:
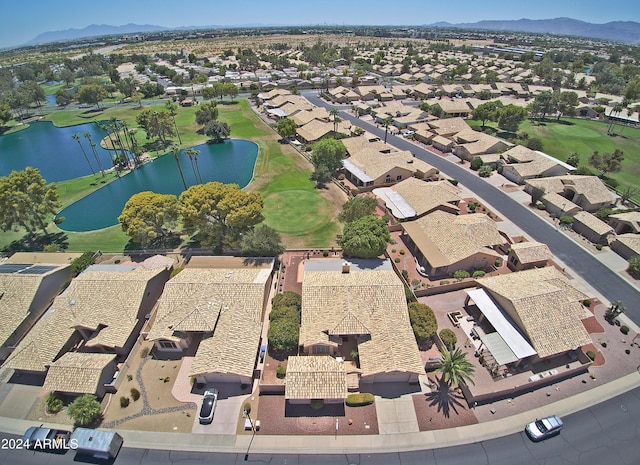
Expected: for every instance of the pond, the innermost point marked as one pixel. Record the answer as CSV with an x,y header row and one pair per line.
x,y
53,151
230,162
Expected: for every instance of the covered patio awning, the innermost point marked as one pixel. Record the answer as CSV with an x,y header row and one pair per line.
x,y
277,112
509,344
400,208
357,172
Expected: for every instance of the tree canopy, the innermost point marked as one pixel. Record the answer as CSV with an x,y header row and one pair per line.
x,y
91,94
607,162
261,241
156,123
366,237
217,131
26,200
148,216
488,111
328,153
206,112
287,128
510,117
357,207
218,214
423,321
84,409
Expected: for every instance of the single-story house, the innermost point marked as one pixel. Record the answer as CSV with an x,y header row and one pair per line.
x,y
359,305
317,129
472,143
523,164
592,228
413,198
77,373
26,291
626,245
443,243
526,255
623,223
588,192
216,303
315,377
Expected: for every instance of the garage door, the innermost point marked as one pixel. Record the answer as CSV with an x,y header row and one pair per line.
x,y
389,378
226,378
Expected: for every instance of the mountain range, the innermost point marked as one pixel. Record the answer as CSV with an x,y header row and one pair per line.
x,y
620,31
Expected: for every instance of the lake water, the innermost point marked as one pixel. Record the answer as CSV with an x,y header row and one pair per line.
x,y
53,151
230,162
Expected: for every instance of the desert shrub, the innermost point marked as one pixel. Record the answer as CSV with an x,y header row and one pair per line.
x,y
340,176
124,401
540,206
281,371
604,344
498,262
627,351
358,400
444,282
591,354
453,181
144,352
423,321
53,402
634,266
479,273
461,274
135,394
476,163
405,275
485,171
401,252
317,404
84,409
624,329
129,377
598,246
566,219
586,303
396,260
247,407
393,251
78,265
448,338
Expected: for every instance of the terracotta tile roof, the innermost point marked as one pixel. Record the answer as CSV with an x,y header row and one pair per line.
x,y
531,252
225,304
315,377
630,218
631,240
590,187
593,223
303,117
18,292
448,126
363,300
545,306
364,142
77,372
445,239
315,129
106,303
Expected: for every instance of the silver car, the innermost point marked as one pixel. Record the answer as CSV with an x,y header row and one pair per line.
x,y
544,428
208,407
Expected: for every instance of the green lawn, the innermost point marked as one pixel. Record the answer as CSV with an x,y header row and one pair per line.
x,y
561,139
304,216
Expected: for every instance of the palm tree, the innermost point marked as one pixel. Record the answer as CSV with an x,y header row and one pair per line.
x,y
76,137
193,155
175,151
172,107
95,154
386,123
335,113
455,368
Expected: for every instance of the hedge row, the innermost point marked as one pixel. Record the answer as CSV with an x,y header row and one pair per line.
x,y
358,400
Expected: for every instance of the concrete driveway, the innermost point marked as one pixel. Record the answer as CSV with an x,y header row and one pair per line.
x,y
394,408
228,409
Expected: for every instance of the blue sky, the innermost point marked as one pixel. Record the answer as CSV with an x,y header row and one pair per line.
x,y
22,20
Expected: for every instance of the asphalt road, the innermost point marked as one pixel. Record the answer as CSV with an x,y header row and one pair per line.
x,y
607,433
603,279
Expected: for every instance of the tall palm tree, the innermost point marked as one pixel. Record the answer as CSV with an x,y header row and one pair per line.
x,y
335,113
76,137
87,134
172,107
175,151
193,155
386,123
455,368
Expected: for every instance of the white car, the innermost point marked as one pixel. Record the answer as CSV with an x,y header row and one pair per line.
x,y
208,407
544,428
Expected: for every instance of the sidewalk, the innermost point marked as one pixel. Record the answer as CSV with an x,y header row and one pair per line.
x,y
337,444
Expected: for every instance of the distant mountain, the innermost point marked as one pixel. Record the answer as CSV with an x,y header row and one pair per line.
x,y
94,30
620,31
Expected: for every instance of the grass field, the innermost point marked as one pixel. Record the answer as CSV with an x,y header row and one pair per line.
x,y
304,216
561,139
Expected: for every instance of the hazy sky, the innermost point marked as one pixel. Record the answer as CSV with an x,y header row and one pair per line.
x,y
22,20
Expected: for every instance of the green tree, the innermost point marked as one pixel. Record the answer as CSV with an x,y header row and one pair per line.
x,y
510,117
335,113
287,128
175,151
32,92
5,114
26,200
328,153
566,103
218,214
262,241
388,121
207,111
357,207
172,108
321,175
448,338
156,124
607,162
287,299
148,217
634,266
193,157
92,144
91,94
423,321
217,131
283,334
63,97
542,104
127,86
455,368
488,111
632,89
76,137
84,409
574,159
366,237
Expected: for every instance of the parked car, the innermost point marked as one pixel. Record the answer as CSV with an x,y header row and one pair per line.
x,y
544,428
49,439
208,407
408,133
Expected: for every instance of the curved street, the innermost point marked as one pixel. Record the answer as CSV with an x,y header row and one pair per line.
x,y
611,285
